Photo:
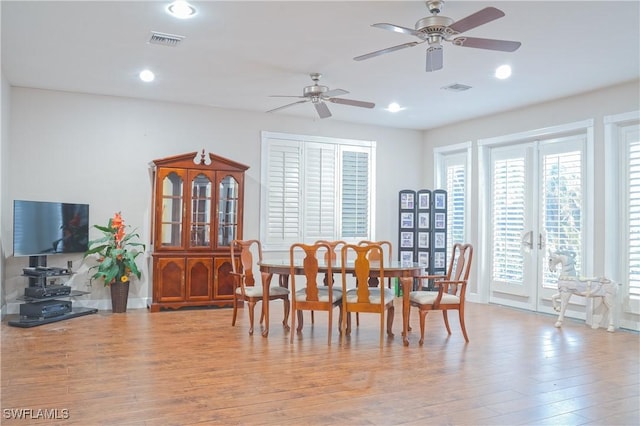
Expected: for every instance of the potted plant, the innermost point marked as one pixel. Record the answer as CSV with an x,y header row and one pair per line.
x,y
117,251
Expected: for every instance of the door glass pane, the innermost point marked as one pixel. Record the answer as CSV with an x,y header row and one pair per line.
x,y
200,212
562,209
171,225
227,211
508,219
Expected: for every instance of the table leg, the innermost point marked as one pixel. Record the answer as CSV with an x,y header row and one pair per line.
x,y
407,284
266,282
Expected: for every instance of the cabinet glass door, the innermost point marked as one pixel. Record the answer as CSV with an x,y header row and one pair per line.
x,y
227,210
200,211
171,215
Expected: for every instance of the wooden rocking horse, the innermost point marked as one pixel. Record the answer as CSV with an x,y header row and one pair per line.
x,y
569,284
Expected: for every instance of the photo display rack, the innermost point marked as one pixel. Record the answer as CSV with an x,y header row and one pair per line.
x,y
422,230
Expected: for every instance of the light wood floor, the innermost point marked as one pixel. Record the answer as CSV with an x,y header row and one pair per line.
x,y
191,367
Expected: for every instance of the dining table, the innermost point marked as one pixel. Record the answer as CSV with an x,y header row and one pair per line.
x,y
404,271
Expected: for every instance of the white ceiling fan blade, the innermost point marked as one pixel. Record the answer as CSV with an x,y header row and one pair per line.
x,y
288,105
396,29
487,43
334,92
387,50
352,102
481,17
323,109
434,58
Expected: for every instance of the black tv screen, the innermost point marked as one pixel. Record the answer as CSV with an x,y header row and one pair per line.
x,y
42,228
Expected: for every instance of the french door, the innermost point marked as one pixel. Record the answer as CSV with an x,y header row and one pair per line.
x,y
537,206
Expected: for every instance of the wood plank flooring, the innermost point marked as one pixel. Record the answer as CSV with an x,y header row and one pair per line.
x,y
191,367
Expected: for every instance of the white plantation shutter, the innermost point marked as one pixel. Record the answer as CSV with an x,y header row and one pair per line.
x,y
456,189
283,193
355,194
319,191
508,215
632,142
315,188
561,207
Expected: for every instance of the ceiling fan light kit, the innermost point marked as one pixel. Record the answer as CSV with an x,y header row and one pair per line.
x,y
436,29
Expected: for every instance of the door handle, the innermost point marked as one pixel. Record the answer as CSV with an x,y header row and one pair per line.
x,y
527,241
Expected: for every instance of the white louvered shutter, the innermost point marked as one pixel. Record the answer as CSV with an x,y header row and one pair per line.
x,y
632,145
319,191
355,193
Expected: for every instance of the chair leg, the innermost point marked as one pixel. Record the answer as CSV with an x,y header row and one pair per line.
x,y
340,318
348,328
390,315
330,325
287,309
382,329
251,307
300,321
357,319
423,315
446,321
235,310
313,321
464,329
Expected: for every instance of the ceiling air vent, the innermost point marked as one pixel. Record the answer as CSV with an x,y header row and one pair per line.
x,y
456,87
164,39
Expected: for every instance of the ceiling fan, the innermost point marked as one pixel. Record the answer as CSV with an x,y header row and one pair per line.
x,y
435,29
318,94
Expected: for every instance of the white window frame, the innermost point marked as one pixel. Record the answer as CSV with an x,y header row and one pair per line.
x,y
341,145
615,215
460,153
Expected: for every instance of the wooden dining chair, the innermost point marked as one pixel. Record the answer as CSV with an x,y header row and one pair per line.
x,y
451,290
245,287
315,296
374,255
332,255
363,298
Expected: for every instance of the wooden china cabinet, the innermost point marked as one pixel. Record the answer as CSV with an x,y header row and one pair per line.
x,y
198,208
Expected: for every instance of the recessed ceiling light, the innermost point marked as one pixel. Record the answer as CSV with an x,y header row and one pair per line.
x,y
394,107
181,9
147,76
503,71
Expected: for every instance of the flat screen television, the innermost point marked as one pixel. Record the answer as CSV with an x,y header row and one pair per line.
x,y
41,228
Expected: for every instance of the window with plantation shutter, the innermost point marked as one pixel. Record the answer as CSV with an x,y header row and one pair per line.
x,y
633,212
508,213
315,188
355,194
456,194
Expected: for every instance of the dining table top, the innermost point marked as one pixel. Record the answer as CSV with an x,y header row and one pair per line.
x,y
394,268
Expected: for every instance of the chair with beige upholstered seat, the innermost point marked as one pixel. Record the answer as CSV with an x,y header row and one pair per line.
x,y
314,296
387,253
362,298
451,290
245,287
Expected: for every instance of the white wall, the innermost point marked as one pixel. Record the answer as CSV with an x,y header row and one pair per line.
x,y
96,149
593,105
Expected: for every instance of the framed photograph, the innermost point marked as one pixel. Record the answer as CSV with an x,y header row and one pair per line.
x,y
423,220
423,240
406,201
406,257
406,239
423,258
440,241
440,221
406,220
439,201
423,200
439,259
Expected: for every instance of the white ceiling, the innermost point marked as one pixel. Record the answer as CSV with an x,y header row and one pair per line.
x,y
237,53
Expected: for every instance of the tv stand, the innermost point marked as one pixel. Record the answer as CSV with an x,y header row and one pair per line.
x,y
38,276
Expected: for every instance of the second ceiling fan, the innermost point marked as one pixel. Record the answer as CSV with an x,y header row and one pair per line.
x,y
436,29
318,94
